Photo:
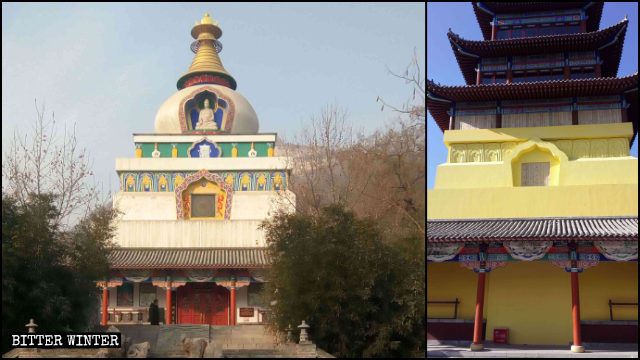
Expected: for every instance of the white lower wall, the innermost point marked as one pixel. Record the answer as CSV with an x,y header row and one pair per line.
x,y
246,205
241,301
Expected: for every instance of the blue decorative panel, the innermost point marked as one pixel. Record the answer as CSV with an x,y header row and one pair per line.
x,y
476,108
536,106
205,149
599,102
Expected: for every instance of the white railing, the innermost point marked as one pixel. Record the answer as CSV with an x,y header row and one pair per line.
x,y
189,233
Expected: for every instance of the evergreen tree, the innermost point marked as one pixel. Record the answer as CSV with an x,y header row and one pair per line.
x,y
335,271
47,274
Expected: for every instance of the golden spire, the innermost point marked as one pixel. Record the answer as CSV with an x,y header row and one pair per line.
x,y
206,66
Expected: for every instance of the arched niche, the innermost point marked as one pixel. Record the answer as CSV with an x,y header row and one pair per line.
x,y
532,151
207,184
195,104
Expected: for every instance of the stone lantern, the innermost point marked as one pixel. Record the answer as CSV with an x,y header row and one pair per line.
x,y
31,326
304,337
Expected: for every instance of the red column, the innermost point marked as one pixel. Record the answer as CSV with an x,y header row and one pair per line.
x,y
493,32
567,73
575,306
479,76
598,70
477,328
168,309
105,303
233,304
583,26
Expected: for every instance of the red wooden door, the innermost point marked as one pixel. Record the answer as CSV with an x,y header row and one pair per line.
x,y
203,303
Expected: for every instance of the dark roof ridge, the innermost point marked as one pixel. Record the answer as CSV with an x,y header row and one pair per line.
x,y
612,217
593,10
536,82
451,34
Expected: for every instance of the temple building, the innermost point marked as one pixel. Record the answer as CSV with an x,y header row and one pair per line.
x,y
191,201
532,225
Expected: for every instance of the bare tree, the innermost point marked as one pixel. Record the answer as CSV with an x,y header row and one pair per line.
x,y
43,162
415,108
380,176
321,157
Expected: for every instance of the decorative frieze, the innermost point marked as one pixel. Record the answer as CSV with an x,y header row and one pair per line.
x,y
574,149
169,181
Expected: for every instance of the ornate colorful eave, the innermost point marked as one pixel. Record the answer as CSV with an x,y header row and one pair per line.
x,y
608,42
483,11
604,228
439,98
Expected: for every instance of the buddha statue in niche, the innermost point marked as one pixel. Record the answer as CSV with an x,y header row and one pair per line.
x,y
206,118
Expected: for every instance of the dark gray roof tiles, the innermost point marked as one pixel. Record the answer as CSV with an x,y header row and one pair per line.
x,y
192,258
570,228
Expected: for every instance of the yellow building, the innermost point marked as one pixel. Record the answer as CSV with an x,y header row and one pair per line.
x,y
532,225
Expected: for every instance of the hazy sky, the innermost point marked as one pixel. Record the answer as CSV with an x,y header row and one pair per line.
x,y
108,67
443,68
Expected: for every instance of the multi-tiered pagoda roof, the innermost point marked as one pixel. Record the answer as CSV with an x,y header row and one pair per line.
x,y
483,11
604,46
609,40
534,90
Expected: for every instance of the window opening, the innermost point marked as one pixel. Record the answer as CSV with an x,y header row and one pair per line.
x,y
203,205
535,174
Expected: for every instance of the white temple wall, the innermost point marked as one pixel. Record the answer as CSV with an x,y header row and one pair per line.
x,y
246,205
146,205
189,233
242,296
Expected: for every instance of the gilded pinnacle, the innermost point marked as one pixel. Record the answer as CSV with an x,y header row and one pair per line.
x,y
206,19
206,61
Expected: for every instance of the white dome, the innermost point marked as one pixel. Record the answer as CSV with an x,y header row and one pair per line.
x,y
243,118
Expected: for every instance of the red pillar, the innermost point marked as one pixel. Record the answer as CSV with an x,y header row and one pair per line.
x,y
598,70
479,76
575,306
168,309
493,32
233,304
567,73
105,303
477,328
583,26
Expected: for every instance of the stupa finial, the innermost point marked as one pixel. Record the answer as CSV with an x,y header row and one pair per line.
x,y
206,19
206,67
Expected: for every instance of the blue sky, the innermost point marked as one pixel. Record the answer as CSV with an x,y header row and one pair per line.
x,y
443,68
108,67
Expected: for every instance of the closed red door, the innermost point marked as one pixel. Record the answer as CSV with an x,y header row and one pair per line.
x,y
203,303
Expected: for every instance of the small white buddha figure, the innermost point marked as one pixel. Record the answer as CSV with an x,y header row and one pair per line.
x,y
205,119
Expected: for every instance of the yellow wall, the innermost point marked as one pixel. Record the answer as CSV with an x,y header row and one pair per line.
x,y
622,170
542,132
533,201
448,281
533,299
617,281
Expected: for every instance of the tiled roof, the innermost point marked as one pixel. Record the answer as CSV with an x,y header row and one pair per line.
x,y
191,258
533,90
610,54
593,12
570,228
